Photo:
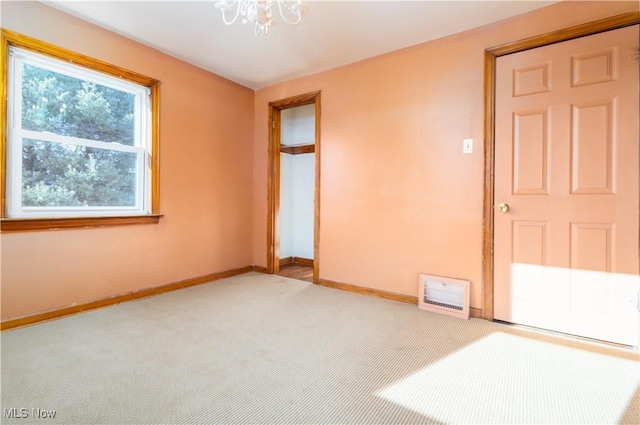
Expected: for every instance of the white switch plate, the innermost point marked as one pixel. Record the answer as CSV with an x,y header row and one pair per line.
x,y
467,146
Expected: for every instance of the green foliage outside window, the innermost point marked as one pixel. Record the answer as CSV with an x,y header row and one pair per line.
x,y
57,174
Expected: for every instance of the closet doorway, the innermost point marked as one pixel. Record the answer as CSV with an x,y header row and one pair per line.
x,y
294,187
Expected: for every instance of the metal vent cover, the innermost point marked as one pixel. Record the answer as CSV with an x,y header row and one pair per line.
x,y
445,295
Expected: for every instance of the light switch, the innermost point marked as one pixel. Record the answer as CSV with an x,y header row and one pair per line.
x,y
467,146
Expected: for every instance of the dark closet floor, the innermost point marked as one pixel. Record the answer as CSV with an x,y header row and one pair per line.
x,y
297,271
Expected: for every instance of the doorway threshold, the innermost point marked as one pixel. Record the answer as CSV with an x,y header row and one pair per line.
x,y
576,341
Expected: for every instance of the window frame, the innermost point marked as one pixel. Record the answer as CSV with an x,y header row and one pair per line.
x,y
10,39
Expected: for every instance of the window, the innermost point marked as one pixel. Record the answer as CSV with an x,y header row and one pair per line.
x,y
81,138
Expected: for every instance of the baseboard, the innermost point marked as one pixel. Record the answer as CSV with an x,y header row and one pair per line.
x,y
148,292
259,269
305,261
300,260
117,299
409,299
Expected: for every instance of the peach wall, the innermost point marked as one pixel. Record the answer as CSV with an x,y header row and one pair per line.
x,y
206,184
398,197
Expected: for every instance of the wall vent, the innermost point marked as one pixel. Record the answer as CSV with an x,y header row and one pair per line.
x,y
444,295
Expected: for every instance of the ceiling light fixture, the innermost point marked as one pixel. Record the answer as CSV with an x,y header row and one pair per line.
x,y
259,12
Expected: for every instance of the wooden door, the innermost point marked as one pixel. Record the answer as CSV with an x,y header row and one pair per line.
x,y
566,170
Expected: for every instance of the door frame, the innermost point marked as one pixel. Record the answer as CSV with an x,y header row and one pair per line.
x,y
490,57
273,179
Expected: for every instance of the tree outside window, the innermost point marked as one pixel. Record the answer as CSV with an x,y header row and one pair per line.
x,y
78,140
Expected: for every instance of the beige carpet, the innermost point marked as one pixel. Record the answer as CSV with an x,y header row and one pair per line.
x,y
266,349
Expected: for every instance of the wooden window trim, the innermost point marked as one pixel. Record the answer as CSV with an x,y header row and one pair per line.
x,y
13,39
27,224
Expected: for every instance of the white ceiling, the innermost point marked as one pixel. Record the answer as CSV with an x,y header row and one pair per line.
x,y
333,33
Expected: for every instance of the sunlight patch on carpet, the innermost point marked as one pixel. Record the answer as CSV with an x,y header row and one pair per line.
x,y
505,378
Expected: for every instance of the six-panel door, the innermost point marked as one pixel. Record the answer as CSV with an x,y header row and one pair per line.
x,y
566,164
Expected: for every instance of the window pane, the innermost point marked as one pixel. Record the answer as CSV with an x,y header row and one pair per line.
x,y
56,174
69,106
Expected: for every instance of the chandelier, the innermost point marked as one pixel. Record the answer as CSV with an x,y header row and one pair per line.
x,y
260,12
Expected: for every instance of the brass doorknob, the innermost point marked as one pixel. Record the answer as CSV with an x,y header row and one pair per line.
x,y
503,207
